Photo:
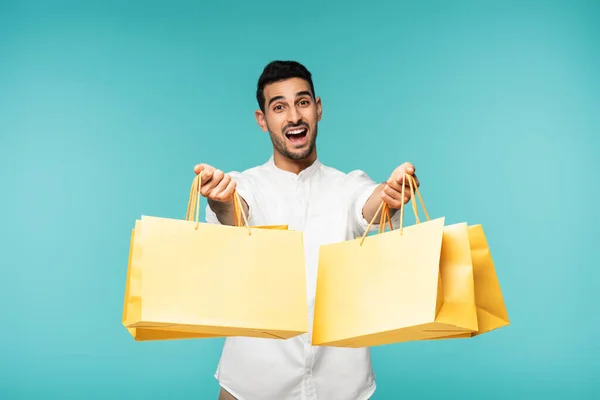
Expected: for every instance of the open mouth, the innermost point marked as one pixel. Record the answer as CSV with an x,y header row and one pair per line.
x,y
297,135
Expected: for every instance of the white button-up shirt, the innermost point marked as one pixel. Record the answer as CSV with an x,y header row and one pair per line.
x,y
326,205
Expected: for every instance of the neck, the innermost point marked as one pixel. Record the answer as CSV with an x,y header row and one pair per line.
x,y
295,166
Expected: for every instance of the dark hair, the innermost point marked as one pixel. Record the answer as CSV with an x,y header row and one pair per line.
x,y
277,71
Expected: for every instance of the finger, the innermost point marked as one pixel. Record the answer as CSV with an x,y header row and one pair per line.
x,y
397,180
397,194
217,192
212,182
391,192
407,182
205,171
207,174
390,201
394,202
227,193
396,184
406,168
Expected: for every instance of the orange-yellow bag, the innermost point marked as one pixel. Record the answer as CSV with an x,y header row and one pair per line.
x,y
491,310
414,283
188,279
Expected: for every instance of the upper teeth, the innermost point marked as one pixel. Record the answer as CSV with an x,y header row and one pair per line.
x,y
295,132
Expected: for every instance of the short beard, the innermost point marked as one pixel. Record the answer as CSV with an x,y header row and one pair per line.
x,y
280,147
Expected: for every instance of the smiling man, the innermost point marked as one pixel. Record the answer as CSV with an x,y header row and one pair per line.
x,y
294,188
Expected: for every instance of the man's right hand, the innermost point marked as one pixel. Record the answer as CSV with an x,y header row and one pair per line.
x,y
219,188
215,184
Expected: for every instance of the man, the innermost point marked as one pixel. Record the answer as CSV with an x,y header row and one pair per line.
x,y
293,187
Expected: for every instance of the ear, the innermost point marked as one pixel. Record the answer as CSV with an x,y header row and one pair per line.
x,y
261,120
319,108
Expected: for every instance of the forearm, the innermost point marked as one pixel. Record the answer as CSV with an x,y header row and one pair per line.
x,y
372,205
225,211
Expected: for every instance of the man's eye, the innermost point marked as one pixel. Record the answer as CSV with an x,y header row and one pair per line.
x,y
304,102
278,107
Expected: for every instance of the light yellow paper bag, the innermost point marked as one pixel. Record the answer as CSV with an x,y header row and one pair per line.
x,y
414,283
188,279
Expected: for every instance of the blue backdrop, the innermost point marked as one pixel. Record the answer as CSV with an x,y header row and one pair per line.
x,y
105,107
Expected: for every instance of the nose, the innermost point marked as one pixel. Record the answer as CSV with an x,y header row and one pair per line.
x,y
294,116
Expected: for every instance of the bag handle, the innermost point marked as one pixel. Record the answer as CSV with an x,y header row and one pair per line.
x,y
385,211
238,211
420,201
385,218
193,208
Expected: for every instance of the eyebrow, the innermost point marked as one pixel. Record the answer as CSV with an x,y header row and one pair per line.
x,y
299,94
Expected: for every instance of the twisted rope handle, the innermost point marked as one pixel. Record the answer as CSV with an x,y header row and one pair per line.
x,y
385,211
193,208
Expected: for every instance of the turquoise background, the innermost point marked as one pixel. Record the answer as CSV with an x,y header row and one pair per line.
x,y
105,107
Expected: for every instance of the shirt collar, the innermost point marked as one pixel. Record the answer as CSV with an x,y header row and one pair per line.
x,y
304,174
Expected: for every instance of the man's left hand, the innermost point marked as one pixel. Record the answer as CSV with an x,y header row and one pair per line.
x,y
392,189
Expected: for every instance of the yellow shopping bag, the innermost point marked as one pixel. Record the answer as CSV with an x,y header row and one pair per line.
x,y
188,279
491,310
414,283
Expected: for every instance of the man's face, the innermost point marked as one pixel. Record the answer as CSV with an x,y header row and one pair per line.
x,y
291,117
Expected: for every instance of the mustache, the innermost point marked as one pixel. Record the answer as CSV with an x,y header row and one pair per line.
x,y
295,126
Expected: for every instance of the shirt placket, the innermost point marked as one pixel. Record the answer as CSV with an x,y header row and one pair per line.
x,y
301,204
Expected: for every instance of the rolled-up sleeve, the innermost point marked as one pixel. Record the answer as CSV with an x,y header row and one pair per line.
x,y
244,189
